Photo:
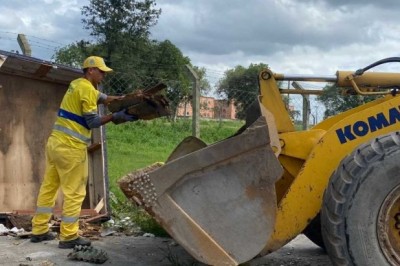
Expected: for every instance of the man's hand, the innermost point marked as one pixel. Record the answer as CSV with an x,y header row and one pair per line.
x,y
122,117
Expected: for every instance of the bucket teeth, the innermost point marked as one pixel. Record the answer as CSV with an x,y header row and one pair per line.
x,y
138,186
143,190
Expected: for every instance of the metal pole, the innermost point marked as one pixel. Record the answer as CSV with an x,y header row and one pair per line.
x,y
195,102
327,78
306,105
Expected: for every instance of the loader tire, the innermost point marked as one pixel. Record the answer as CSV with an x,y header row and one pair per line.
x,y
313,232
360,216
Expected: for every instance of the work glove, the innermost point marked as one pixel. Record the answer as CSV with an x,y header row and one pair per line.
x,y
122,117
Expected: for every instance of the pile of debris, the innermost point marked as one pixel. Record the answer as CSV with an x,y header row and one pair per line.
x,y
92,227
20,225
15,225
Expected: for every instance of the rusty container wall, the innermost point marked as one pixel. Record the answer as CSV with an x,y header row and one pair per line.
x,y
30,94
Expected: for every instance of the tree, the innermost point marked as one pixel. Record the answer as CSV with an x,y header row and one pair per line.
x,y
337,100
121,28
201,72
294,114
119,22
74,54
166,63
240,85
204,87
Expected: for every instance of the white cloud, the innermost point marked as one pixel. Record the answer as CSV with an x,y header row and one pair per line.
x,y
303,36
309,36
48,24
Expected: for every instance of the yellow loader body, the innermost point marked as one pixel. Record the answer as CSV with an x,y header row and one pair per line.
x,y
254,192
310,157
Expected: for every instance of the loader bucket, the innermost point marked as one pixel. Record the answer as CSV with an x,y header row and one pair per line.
x,y
218,202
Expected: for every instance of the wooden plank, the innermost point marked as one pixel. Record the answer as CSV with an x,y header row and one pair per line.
x,y
99,206
43,70
96,218
94,147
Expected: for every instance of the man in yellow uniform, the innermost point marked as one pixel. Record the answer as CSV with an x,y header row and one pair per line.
x,y
66,154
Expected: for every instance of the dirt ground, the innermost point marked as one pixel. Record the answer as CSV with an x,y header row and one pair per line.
x,y
144,251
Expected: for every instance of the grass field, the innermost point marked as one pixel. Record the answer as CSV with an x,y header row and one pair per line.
x,y
131,146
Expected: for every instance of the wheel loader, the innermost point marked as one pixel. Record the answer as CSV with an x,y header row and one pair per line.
x,y
250,194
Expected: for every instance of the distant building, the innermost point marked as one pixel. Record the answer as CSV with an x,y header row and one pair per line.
x,y
209,108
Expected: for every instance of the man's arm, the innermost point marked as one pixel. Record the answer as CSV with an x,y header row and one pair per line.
x,y
106,99
95,120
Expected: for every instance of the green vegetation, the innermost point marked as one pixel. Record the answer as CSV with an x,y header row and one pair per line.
x,y
240,84
132,146
337,100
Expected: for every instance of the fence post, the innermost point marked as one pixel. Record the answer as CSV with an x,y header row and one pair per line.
x,y
306,105
195,102
24,44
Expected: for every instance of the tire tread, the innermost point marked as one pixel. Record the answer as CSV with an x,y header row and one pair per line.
x,y
338,195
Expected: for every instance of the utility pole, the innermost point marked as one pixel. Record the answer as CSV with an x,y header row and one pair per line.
x,y
24,44
195,102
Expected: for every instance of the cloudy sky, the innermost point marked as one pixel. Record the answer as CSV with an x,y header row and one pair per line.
x,y
291,36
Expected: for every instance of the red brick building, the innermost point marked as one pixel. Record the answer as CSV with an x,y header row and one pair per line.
x,y
209,108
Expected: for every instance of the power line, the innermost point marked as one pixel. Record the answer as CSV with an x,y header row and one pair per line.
x,y
41,44
7,32
59,44
212,70
35,37
7,38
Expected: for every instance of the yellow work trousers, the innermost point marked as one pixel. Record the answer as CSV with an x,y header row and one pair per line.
x,y
66,167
